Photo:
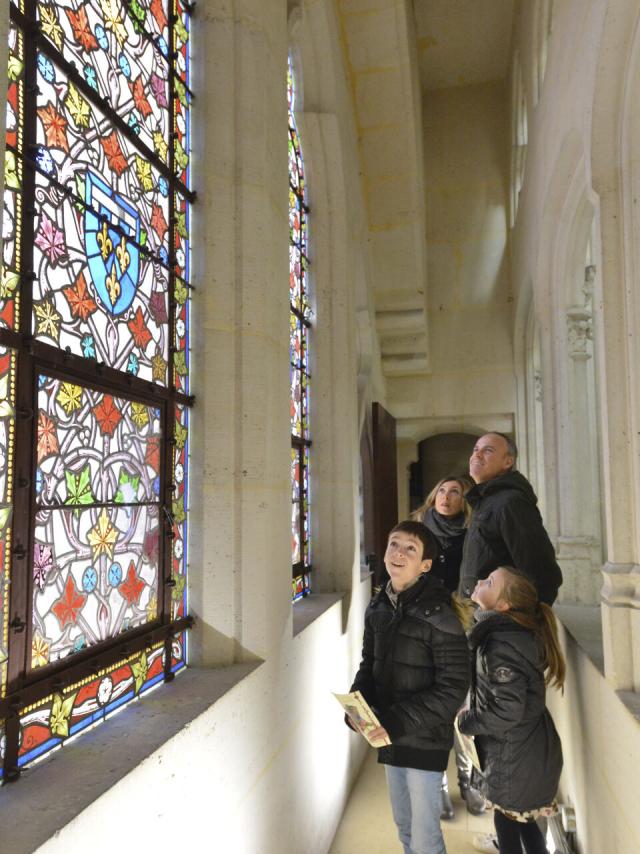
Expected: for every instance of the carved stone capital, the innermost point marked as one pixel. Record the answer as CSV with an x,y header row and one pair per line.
x,y
580,328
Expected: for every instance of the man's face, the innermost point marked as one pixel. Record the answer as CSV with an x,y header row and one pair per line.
x,y
403,559
490,458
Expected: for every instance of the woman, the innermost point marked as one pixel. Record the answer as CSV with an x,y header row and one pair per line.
x,y
446,513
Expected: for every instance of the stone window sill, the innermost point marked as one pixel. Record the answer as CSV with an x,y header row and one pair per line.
x,y
308,609
584,624
103,756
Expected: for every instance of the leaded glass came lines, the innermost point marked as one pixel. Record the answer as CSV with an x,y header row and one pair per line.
x,y
298,349
102,213
97,536
46,724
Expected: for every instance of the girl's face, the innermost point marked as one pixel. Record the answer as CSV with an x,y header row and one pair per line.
x,y
488,592
449,499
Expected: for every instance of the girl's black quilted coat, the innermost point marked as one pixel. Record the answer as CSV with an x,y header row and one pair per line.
x,y
517,742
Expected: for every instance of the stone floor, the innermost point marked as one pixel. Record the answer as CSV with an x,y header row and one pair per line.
x,y
367,825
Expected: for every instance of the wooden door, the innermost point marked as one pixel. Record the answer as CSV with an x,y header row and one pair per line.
x,y
379,487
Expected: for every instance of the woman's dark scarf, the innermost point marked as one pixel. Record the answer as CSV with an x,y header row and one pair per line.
x,y
444,528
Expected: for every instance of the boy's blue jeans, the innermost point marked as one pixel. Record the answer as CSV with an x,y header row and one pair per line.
x,y
416,804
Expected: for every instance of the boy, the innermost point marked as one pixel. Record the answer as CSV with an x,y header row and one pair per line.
x,y
415,675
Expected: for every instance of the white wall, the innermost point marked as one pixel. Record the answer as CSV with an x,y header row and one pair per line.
x,y
601,748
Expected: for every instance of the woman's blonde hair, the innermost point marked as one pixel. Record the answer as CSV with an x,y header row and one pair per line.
x,y
525,609
430,500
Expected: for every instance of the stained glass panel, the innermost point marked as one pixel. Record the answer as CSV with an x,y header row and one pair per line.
x,y
179,513
298,263
299,377
298,352
13,179
120,51
181,104
7,442
96,205
97,533
50,722
301,586
101,244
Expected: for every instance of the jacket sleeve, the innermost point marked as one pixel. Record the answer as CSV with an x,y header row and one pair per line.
x,y
529,545
363,680
437,705
503,704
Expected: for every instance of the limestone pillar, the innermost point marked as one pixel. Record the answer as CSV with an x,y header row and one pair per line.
x,y
621,625
579,543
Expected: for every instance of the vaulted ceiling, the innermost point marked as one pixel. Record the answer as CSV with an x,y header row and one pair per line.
x,y
400,56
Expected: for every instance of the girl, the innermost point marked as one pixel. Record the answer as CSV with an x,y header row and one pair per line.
x,y
516,652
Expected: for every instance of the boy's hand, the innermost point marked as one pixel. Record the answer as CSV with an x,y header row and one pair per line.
x,y
349,723
378,734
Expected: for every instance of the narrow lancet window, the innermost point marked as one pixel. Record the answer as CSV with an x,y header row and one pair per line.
x,y
299,349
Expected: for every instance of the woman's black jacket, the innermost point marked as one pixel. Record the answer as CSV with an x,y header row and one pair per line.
x,y
414,673
517,743
447,565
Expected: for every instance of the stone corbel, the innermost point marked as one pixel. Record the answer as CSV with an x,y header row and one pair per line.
x,y
580,327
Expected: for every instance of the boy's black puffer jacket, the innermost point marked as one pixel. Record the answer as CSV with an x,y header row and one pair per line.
x,y
414,673
517,742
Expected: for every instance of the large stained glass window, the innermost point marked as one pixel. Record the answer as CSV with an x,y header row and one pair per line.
x,y
299,351
94,362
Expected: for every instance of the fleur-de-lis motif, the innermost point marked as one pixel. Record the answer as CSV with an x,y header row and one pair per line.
x,y
113,286
104,242
122,255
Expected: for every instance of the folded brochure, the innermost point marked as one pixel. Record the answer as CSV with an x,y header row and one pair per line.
x,y
361,716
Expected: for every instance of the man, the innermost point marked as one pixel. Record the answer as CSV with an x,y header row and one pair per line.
x,y
506,527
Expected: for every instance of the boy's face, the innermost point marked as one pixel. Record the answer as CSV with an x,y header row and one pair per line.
x,y
403,559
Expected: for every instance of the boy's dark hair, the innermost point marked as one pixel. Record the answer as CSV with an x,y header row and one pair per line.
x,y
430,548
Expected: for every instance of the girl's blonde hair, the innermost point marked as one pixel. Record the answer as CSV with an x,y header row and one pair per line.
x,y
464,609
525,609
430,500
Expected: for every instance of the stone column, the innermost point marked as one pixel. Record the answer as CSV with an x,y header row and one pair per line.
x,y
621,625
579,543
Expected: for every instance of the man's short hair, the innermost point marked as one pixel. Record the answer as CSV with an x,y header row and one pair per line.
x,y
512,448
430,548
